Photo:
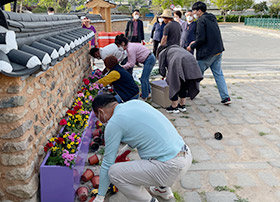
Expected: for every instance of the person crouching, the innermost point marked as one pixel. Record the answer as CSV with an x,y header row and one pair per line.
x,y
121,80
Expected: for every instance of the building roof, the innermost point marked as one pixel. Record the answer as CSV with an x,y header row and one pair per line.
x,y
33,42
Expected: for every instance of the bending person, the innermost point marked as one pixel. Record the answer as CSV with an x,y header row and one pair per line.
x,y
122,81
136,52
164,155
183,75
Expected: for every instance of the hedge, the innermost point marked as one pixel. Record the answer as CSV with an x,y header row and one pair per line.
x,y
234,18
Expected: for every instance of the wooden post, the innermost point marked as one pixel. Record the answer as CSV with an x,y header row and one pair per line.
x,y
108,23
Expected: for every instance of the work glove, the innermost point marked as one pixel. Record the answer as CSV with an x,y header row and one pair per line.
x,y
99,198
151,40
122,155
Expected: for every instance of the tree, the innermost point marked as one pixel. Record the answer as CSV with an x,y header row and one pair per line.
x,y
242,5
260,7
274,8
224,6
166,3
144,11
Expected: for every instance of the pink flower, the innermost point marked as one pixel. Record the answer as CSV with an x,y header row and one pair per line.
x,y
81,95
79,103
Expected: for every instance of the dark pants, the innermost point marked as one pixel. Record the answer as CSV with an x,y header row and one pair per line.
x,y
183,90
130,70
135,39
155,47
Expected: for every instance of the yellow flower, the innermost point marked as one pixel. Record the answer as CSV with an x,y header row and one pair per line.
x,y
77,142
75,136
71,143
88,93
87,116
73,150
68,146
70,114
52,139
73,125
65,136
68,124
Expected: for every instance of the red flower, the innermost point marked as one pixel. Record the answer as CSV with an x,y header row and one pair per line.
x,y
49,145
79,92
73,112
86,81
76,108
46,149
63,122
59,140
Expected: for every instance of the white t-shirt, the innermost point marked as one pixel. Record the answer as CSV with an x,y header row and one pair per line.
x,y
112,49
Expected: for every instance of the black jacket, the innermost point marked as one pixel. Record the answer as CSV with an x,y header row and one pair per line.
x,y
188,34
208,37
129,30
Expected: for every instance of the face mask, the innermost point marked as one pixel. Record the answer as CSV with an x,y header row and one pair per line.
x,y
160,20
189,18
104,117
50,13
195,16
136,17
121,48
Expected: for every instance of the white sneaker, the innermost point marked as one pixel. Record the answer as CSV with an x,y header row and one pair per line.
x,y
165,193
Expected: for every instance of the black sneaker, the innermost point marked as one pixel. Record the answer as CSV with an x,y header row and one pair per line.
x,y
226,101
182,108
172,110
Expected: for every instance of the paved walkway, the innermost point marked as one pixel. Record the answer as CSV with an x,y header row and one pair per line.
x,y
245,164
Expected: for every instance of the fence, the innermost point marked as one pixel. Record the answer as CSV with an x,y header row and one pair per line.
x,y
271,23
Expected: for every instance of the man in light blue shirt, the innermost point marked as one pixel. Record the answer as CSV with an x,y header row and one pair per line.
x,y
162,150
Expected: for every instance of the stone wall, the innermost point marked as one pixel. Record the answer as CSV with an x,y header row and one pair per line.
x,y
30,110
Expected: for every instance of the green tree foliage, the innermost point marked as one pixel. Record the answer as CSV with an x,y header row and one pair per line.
x,y
260,7
166,3
242,5
274,8
124,9
224,6
144,11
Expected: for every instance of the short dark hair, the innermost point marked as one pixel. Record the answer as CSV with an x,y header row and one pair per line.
x,y
178,13
199,6
121,38
102,100
50,9
137,10
189,11
93,50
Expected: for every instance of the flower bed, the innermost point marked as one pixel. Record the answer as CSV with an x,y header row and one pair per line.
x,y
63,165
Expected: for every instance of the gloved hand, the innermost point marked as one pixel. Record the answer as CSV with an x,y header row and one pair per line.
x,y
121,157
151,40
99,198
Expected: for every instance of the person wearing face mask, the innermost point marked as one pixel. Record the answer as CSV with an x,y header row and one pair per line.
x,y
121,80
50,11
172,30
134,29
157,33
178,17
189,30
164,157
209,47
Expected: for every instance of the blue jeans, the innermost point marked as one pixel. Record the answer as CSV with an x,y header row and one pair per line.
x,y
215,64
148,66
119,99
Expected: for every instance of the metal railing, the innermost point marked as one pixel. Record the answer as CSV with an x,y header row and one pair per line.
x,y
271,23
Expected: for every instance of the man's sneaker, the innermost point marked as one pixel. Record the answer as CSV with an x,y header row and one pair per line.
x,y
172,110
165,193
182,108
226,101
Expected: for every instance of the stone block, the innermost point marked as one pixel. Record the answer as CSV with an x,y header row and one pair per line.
x,y
13,160
269,178
37,86
25,191
217,179
19,131
44,94
204,133
35,198
220,197
199,153
275,163
192,197
16,89
181,122
191,181
17,146
33,104
20,173
43,80
186,132
14,101
215,144
11,117
244,180
1,193
41,100
37,129
30,90
52,85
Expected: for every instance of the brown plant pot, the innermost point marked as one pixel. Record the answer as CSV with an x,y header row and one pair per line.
x,y
82,193
87,175
92,199
93,160
97,133
94,146
95,181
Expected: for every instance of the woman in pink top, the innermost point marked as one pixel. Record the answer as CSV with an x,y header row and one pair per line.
x,y
86,24
136,52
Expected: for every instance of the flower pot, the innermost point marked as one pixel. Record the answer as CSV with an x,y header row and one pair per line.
x,y
98,124
92,199
88,175
93,160
82,193
94,146
98,140
95,181
97,133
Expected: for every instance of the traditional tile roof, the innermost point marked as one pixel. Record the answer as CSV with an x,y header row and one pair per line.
x,y
33,42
